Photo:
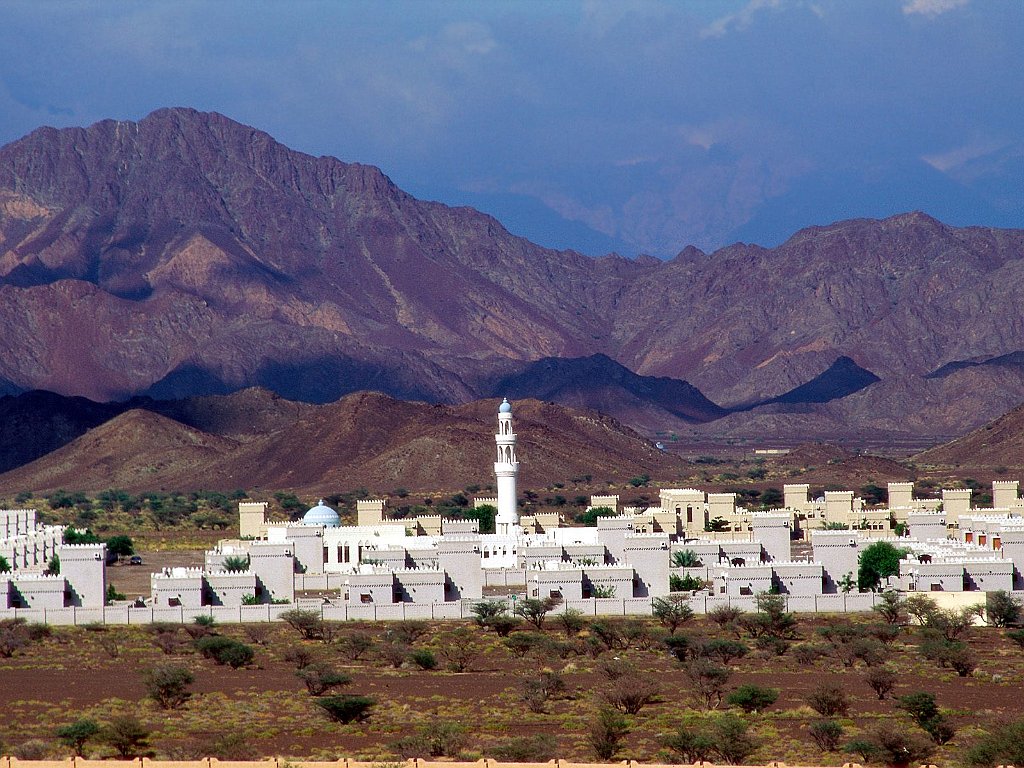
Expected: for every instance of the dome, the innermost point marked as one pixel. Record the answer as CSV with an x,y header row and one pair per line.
x,y
321,514
505,407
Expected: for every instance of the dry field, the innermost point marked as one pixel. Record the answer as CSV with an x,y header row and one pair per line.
x,y
263,708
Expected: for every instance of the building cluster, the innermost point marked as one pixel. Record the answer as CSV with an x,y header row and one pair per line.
x,y
703,541
33,551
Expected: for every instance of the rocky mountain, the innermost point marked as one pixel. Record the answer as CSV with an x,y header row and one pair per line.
x,y
363,440
187,254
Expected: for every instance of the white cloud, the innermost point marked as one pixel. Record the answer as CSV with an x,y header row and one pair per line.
x,y
946,161
931,7
739,20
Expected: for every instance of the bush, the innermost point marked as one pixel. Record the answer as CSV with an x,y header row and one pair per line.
x,y
320,677
708,681
726,617
723,650
539,689
346,708
33,749
606,731
534,610
539,748
355,645
891,607
924,711
236,563
14,636
504,625
224,650
878,561
829,700
672,611
892,746
685,583
423,658
752,698
168,685
436,738
632,694
571,622
1003,745
488,609
725,739
459,648
309,624
407,631
826,734
881,680
1002,609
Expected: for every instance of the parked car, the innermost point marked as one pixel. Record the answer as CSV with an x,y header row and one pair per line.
x,y
135,560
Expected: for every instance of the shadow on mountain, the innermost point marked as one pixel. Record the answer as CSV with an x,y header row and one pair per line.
x,y
1010,360
844,377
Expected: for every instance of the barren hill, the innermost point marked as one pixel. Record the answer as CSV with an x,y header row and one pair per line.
x,y
999,443
186,254
364,440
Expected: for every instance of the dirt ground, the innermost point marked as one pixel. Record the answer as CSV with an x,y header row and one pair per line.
x,y
134,580
265,709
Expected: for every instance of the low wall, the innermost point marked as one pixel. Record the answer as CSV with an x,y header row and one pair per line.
x,y
212,762
631,606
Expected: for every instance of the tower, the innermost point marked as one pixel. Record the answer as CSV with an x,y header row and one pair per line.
x,y
506,469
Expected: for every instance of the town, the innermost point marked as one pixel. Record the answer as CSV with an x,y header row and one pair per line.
x,y
700,545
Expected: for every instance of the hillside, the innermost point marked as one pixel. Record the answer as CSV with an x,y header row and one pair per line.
x,y
363,440
997,444
186,254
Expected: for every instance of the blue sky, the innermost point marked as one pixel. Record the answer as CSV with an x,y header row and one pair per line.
x,y
635,126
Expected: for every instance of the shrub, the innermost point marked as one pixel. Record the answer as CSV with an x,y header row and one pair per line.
x,y
881,680
433,739
539,689
771,620
829,700
732,740
708,680
309,624
299,655
127,735
33,749
571,622
257,633
689,744
606,731
355,645
320,677
1002,609
891,607
632,694
224,650
423,658
14,636
77,734
407,631
488,609
684,583
459,649
521,643
1003,745
534,610
538,748
1017,636
808,653
826,734
752,698
726,617
686,558
203,621
924,711
395,654
672,611
723,650
168,685
346,708
892,746
504,625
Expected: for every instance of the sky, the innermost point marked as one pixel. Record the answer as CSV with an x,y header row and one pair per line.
x,y
638,127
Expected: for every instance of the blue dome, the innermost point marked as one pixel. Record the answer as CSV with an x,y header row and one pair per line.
x,y
505,407
321,514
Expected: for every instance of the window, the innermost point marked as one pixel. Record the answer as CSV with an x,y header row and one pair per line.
x,y
366,597
746,591
555,593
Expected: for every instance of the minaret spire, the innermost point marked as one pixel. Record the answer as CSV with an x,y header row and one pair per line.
x,y
506,470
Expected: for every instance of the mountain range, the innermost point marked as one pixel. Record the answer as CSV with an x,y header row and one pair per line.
x,y
186,255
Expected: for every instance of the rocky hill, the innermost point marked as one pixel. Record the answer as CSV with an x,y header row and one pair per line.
x,y
997,444
187,254
363,440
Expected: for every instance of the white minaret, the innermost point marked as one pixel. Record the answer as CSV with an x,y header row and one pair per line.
x,y
506,469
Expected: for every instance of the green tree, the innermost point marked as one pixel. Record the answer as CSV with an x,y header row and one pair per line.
x,y
5,566
127,735
121,546
1003,745
878,561
54,565
686,558
752,698
484,514
77,734
590,516
236,563
1002,609
346,708
534,610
